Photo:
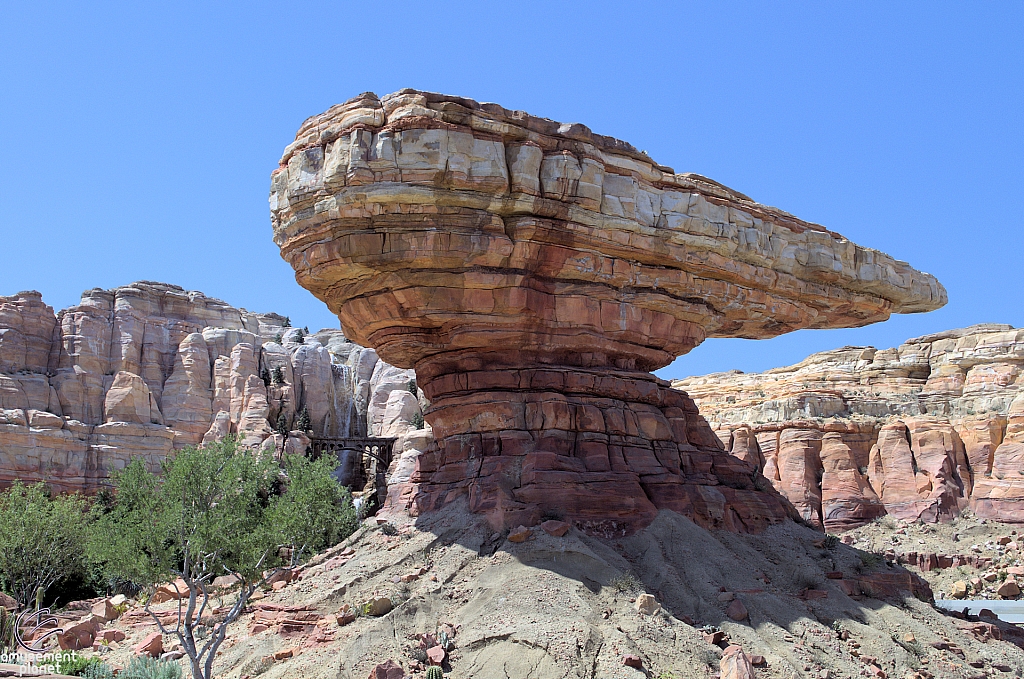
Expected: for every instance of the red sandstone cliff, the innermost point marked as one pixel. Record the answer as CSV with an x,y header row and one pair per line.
x,y
920,431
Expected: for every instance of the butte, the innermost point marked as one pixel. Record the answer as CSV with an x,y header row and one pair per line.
x,y
534,273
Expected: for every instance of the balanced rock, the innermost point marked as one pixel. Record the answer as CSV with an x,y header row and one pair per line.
x,y
534,273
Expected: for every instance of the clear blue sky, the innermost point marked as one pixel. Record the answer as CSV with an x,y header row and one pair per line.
x,y
137,142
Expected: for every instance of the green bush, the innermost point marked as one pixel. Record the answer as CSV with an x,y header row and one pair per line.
x,y
41,539
79,665
218,509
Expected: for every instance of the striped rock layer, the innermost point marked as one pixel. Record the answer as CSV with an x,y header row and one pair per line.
x,y
534,273
920,431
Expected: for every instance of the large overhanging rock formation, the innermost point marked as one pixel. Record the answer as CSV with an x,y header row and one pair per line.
x,y
533,273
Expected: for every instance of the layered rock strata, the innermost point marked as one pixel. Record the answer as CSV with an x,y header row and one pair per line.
x,y
920,431
148,368
532,273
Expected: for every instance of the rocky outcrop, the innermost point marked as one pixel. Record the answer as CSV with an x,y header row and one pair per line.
x,y
148,368
532,273
919,432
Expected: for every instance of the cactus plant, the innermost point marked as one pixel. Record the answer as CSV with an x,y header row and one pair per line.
x,y
434,672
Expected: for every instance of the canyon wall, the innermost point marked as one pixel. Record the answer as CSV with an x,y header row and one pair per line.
x,y
921,431
145,369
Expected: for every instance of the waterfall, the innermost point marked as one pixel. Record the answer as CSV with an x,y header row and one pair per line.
x,y
343,413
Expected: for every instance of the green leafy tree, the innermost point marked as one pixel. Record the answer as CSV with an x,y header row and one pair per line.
x,y
41,539
217,510
304,423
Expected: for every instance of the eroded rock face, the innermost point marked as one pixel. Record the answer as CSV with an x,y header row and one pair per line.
x,y
148,368
920,431
533,273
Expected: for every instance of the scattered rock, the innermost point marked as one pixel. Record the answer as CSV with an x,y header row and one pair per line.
x,y
345,615
520,534
110,635
1008,589
909,638
119,599
735,664
378,607
173,655
152,645
958,590
388,670
436,655
555,528
646,604
630,660
284,654
726,597
226,581
258,628
737,611
78,636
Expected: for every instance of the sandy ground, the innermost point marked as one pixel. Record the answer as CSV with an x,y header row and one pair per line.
x,y
564,607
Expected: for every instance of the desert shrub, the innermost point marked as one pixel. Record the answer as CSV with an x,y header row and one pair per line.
x,y
257,666
100,670
869,559
144,667
831,542
388,529
626,583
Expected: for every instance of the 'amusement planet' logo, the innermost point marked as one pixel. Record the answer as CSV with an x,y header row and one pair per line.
x,y
32,630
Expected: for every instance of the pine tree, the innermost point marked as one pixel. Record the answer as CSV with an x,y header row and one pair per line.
x,y
282,425
304,423
278,376
287,322
279,338
265,376
300,336
412,387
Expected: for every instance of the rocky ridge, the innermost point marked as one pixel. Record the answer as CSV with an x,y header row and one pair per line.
x,y
919,432
148,368
533,272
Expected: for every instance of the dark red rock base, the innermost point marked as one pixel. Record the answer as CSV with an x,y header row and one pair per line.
x,y
602,448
